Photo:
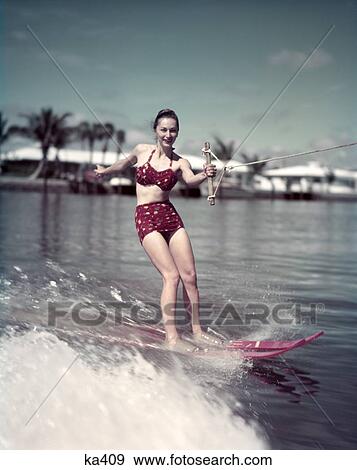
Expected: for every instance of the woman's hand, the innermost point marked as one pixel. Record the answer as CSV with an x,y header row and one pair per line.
x,y
99,171
210,170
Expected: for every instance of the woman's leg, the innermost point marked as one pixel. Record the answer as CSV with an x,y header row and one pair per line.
x,y
181,251
186,301
182,254
159,254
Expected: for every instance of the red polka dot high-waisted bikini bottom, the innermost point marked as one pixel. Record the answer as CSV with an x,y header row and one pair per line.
x,y
157,216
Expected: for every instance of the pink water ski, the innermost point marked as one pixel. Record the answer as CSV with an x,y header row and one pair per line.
x,y
241,345
272,345
149,337
213,353
263,354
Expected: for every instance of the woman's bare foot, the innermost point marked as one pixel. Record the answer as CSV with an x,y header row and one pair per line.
x,y
180,345
202,338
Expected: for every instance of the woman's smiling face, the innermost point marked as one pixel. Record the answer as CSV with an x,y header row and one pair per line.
x,y
166,131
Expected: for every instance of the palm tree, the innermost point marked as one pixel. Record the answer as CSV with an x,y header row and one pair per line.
x,y
42,128
120,138
107,133
5,132
225,151
62,138
88,132
257,169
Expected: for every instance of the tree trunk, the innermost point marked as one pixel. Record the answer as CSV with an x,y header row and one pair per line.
x,y
58,165
36,174
41,167
91,147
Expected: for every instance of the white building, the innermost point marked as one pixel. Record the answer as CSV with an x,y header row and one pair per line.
x,y
82,156
311,181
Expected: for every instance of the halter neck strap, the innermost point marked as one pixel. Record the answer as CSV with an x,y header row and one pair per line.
x,y
152,153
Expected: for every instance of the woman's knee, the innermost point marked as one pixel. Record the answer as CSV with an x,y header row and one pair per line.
x,y
189,278
171,277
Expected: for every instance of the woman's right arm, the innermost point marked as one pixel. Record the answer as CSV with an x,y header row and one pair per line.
x,y
120,165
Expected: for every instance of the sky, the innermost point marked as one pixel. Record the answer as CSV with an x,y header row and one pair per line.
x,y
218,63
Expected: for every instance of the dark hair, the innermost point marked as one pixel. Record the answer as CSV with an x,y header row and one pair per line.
x,y
168,113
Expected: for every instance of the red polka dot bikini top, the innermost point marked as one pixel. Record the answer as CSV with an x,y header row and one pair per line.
x,y
147,175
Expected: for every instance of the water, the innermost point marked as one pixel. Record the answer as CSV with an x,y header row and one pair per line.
x,y
71,248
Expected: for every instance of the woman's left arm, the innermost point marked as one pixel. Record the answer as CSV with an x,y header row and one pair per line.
x,y
190,178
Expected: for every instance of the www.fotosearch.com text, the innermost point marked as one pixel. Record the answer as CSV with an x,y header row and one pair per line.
x,y
230,314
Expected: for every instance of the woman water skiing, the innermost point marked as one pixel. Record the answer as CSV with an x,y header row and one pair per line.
x,y
160,228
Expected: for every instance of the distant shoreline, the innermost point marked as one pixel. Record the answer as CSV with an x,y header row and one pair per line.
x,y
20,183
60,186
